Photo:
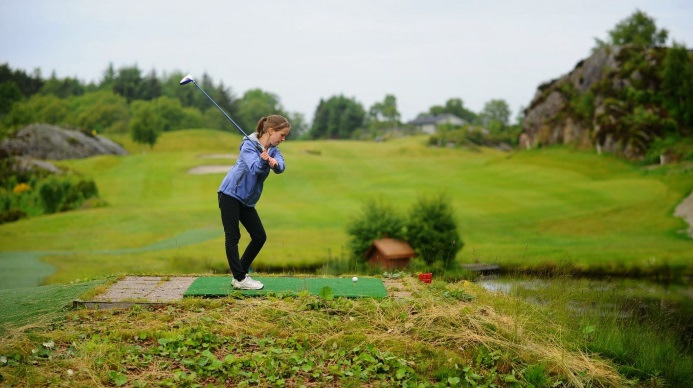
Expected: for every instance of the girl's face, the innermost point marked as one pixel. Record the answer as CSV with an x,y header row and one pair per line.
x,y
276,137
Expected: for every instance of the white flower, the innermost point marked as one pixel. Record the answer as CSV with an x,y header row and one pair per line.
x,y
70,372
3,360
49,345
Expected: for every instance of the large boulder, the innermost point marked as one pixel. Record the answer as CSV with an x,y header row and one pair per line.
x,y
574,108
49,142
546,121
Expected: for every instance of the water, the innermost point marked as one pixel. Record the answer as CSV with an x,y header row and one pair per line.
x,y
670,305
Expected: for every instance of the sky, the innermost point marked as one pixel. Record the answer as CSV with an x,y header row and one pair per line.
x,y
422,52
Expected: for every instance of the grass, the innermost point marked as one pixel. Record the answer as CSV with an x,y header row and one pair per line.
x,y
446,334
25,307
527,209
645,328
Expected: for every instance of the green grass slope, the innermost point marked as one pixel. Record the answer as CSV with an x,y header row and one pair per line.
x,y
537,208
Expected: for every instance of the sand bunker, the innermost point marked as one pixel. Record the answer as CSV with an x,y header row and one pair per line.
x,y
211,169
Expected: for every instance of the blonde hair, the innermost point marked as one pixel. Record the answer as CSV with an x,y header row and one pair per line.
x,y
275,122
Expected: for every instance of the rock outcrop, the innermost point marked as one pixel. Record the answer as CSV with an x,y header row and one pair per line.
x,y
577,107
49,142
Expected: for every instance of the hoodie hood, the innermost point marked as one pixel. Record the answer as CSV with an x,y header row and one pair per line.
x,y
253,137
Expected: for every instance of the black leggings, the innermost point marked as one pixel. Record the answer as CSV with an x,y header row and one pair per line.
x,y
233,211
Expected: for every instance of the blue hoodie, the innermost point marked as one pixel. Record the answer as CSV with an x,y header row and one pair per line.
x,y
245,179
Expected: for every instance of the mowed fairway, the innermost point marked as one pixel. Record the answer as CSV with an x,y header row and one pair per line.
x,y
525,208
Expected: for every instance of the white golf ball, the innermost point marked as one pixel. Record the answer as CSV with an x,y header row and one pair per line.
x,y
354,279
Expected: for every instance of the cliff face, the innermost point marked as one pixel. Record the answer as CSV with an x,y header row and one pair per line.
x,y
581,107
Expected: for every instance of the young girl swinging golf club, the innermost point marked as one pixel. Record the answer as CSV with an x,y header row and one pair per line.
x,y
241,189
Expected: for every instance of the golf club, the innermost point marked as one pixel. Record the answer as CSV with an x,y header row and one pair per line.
x,y
188,78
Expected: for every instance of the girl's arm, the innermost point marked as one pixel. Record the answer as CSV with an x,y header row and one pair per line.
x,y
251,158
281,165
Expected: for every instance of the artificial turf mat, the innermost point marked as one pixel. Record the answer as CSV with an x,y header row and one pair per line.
x,y
215,286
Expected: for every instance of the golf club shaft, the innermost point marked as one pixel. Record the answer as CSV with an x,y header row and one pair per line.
x,y
259,147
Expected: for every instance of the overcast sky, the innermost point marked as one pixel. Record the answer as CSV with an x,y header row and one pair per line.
x,y
423,52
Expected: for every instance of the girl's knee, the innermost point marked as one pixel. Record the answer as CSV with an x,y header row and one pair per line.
x,y
232,238
259,237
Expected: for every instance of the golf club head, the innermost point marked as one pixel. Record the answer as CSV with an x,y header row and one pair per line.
x,y
187,79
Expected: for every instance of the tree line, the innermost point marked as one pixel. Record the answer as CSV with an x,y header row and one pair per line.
x,y
128,100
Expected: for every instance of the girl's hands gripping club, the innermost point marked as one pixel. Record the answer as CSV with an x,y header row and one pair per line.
x,y
265,156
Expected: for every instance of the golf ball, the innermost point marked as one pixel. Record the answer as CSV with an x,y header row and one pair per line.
x,y
354,279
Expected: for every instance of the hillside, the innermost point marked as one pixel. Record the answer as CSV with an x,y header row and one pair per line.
x,y
625,100
543,210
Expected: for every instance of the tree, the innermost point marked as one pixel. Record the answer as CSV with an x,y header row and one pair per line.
x,y
385,111
9,94
39,108
128,83
150,87
432,230
337,118
299,126
146,123
638,30
108,78
677,84
496,115
456,107
28,85
255,104
102,110
62,88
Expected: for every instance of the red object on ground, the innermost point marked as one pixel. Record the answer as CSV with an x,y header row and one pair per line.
x,y
426,277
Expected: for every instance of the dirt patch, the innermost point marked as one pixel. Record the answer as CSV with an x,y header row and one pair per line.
x,y
399,288
685,211
210,169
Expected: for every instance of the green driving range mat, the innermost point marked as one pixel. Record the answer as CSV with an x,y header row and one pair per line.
x,y
215,286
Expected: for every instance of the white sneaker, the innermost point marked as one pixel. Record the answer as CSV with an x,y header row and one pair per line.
x,y
257,282
246,284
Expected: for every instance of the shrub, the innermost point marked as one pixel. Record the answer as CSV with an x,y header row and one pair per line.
x,y
52,192
376,220
60,194
11,215
432,231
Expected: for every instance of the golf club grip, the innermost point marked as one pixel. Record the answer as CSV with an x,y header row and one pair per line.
x,y
257,146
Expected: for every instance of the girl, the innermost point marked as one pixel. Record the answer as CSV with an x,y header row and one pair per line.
x,y
241,189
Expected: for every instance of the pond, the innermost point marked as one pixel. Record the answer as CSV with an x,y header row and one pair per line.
x,y
665,306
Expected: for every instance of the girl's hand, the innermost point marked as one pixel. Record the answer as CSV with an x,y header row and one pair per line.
x,y
264,155
273,162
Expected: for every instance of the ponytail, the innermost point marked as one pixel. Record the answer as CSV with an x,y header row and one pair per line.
x,y
276,122
260,128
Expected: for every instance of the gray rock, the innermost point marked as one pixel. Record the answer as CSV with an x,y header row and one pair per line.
x,y
545,119
49,142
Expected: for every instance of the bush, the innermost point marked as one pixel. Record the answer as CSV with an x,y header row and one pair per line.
x,y
376,220
60,194
432,231
52,192
11,215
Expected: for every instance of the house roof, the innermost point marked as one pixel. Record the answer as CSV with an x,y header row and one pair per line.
x,y
434,119
391,248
